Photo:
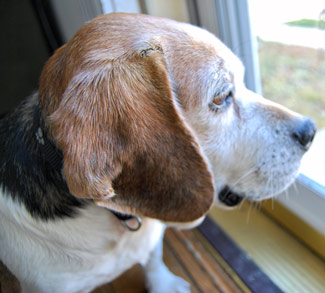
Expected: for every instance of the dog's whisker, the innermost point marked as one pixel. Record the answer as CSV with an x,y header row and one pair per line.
x,y
268,184
249,212
254,205
242,203
244,176
286,193
272,203
295,187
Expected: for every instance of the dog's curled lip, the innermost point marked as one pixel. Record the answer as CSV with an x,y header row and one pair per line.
x,y
229,198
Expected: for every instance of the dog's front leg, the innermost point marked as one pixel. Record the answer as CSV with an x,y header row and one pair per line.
x,y
158,277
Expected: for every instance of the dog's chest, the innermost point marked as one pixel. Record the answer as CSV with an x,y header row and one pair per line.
x,y
73,254
113,257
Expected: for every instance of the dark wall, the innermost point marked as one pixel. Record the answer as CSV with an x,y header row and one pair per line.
x,y
23,52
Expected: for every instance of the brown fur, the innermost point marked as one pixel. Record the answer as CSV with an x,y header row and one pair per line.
x,y
112,114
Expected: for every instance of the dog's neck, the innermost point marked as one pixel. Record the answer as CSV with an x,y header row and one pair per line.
x,y
52,155
31,165
28,173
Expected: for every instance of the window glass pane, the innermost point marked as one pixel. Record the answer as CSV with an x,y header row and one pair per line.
x,y
291,41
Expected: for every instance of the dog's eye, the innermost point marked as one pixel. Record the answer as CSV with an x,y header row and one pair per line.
x,y
220,101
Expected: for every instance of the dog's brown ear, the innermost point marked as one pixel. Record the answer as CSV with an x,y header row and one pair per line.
x,y
125,143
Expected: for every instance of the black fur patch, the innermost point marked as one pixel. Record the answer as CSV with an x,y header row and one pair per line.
x,y
25,172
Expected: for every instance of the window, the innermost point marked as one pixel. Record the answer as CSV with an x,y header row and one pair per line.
x,y
301,208
236,19
291,49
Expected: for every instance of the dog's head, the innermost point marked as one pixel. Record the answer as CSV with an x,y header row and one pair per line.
x,y
144,110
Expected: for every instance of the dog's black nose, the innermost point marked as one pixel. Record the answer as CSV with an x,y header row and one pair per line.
x,y
305,132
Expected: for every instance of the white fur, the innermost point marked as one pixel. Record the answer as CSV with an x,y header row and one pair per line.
x,y
71,255
252,152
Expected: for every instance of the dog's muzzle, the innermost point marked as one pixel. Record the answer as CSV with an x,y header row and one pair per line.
x,y
229,198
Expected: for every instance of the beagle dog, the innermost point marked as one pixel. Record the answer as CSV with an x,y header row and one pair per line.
x,y
139,122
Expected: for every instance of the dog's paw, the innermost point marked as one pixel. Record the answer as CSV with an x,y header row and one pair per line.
x,y
166,282
178,285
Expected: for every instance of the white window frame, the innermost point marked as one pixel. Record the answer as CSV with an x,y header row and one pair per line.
x,y
72,14
230,21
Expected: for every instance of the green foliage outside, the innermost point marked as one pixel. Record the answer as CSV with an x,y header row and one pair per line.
x,y
295,77
311,23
